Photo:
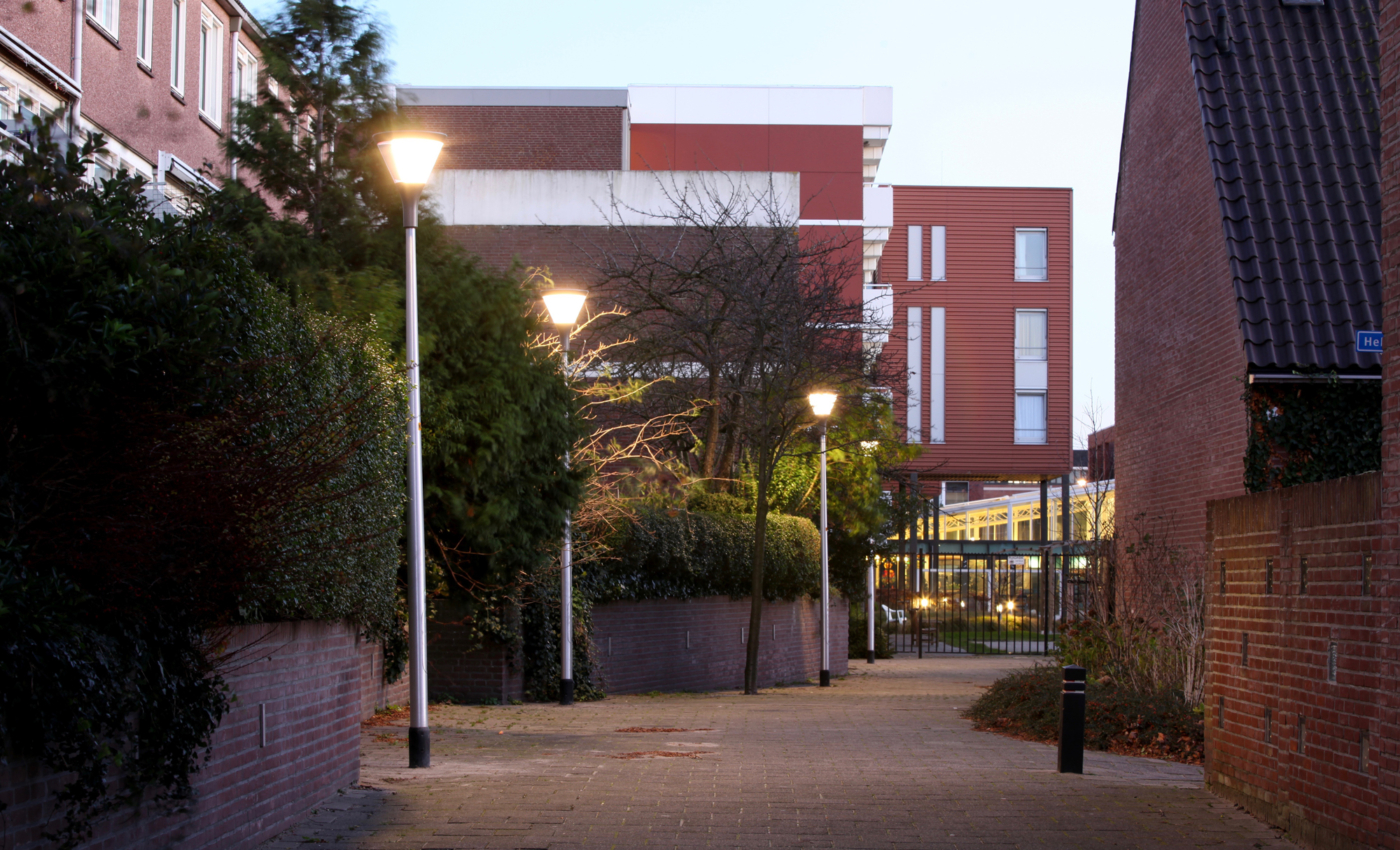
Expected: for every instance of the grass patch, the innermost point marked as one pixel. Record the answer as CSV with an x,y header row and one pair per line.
x,y
1026,704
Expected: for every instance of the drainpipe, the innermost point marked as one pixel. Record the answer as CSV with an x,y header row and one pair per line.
x,y
235,24
76,70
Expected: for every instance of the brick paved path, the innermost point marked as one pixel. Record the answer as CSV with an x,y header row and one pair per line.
x,y
882,759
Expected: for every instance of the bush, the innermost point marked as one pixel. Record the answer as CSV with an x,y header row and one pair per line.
x,y
1026,704
679,554
859,638
184,449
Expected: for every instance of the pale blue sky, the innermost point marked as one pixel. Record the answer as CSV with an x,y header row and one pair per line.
x,y
1013,93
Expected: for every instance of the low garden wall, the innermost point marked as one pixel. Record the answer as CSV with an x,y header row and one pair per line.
x,y
1299,630
289,740
700,644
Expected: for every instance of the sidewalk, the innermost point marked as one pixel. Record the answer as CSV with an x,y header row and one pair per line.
x,y
882,759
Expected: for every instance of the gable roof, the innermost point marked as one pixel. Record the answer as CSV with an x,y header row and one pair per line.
x,y
1288,99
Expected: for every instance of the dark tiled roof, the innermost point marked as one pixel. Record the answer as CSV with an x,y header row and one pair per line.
x,y
1288,100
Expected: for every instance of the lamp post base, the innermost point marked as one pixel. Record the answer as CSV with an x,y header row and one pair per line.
x,y
826,678
566,691
870,657
419,747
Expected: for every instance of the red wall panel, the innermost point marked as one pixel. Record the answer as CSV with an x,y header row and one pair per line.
x,y
816,148
980,297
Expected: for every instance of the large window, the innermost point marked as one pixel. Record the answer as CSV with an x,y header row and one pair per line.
x,y
916,253
1030,335
1030,254
937,252
144,31
104,12
1030,417
247,77
211,63
177,46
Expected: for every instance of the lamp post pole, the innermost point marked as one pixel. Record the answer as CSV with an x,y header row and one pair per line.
x,y
870,613
826,586
564,306
410,158
822,403
566,586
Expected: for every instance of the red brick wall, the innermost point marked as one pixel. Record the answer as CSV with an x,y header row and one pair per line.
x,y
1320,787
310,679
699,644
465,671
525,137
1181,427
1388,568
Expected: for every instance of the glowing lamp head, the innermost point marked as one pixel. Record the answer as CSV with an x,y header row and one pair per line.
x,y
410,156
822,403
1081,482
564,305
1011,606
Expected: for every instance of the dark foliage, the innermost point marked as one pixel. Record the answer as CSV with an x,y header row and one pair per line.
x,y
1315,431
183,450
1026,704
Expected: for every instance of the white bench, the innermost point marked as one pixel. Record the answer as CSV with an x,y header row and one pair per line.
x,y
894,614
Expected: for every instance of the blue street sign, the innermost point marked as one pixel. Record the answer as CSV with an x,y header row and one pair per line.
x,y
1368,342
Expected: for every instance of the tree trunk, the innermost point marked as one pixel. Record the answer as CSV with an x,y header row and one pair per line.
x,y
711,459
760,538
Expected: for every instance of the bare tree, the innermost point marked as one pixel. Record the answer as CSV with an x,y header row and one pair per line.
x,y
746,317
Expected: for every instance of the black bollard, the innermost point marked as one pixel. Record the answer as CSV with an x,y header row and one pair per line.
x,y
1072,720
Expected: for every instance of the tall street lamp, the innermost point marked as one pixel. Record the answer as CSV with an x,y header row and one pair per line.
x,y
564,306
870,446
410,157
822,403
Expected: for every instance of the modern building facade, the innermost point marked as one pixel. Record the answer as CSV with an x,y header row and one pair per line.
x,y
982,285
158,78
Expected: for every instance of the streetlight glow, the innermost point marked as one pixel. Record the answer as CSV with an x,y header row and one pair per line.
x,y
410,156
564,305
822,403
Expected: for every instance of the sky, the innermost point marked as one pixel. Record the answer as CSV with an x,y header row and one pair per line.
x,y
1013,93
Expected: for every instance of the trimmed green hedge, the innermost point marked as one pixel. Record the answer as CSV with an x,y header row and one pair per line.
x,y
680,554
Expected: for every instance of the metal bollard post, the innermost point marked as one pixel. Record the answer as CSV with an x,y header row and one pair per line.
x,y
1072,720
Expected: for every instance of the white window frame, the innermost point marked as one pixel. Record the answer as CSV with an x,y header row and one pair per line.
x,y
1024,434
105,13
916,253
937,373
178,21
914,418
938,252
145,31
1023,270
1024,351
211,65
246,77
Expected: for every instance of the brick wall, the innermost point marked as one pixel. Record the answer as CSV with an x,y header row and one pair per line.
x,y
462,669
1388,566
1180,424
1298,683
699,644
309,681
519,137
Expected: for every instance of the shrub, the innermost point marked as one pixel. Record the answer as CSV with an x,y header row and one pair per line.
x,y
1026,704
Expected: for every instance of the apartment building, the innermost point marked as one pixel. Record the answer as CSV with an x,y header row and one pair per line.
x,y
982,286
158,78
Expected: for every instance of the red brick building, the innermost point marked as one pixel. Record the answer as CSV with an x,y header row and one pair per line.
x,y
1247,234
982,281
159,78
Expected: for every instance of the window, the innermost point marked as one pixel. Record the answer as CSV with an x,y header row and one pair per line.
x,y
916,253
177,46
1030,335
1030,254
937,239
144,31
247,77
915,409
211,63
1030,417
104,12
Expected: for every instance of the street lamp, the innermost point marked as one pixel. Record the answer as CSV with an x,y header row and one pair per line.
x,y
564,306
410,158
822,403
870,446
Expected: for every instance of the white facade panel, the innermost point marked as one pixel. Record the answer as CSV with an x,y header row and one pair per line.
x,y
802,105
809,105
721,105
599,198
1032,375
878,105
652,104
878,206
937,335
915,418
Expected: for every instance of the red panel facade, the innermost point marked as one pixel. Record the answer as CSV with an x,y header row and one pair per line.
x,y
1181,427
980,297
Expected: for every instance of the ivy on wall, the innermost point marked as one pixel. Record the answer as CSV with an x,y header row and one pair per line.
x,y
1311,431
